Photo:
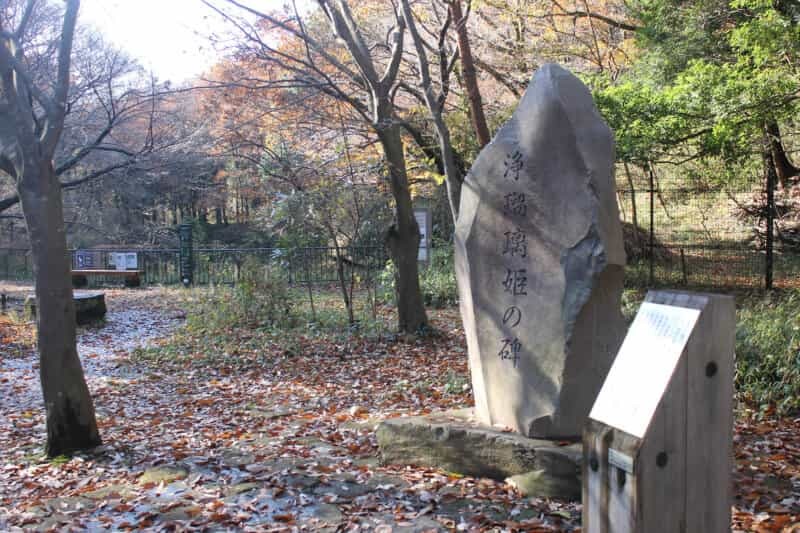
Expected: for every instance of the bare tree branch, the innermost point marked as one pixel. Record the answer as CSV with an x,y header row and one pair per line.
x,y
592,15
55,117
23,23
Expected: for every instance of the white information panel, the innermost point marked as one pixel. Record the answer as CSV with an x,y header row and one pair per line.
x,y
131,262
424,233
643,367
118,260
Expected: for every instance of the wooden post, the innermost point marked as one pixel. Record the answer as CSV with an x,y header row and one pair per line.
x,y
652,223
683,268
658,445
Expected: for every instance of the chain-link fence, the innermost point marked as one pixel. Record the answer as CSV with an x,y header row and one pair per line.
x,y
702,235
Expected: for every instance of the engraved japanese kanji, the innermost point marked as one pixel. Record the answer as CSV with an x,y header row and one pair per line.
x,y
513,164
514,204
516,282
516,244
509,351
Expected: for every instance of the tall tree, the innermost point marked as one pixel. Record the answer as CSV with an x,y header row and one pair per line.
x,y
435,100
31,123
108,93
367,81
468,71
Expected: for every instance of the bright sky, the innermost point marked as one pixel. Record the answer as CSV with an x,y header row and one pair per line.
x,y
168,36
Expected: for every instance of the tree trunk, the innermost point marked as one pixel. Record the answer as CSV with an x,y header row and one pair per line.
x,y
771,174
346,296
470,78
634,215
403,237
71,423
307,270
435,105
783,167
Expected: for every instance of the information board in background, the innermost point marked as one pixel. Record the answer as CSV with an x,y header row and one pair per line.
x,y
423,216
84,259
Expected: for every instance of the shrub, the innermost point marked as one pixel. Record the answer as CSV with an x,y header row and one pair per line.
x,y
257,300
768,352
438,280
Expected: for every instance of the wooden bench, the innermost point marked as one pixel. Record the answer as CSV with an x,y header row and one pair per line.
x,y
132,277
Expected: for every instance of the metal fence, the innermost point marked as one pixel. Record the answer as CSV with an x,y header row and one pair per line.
x,y
705,235
678,233
15,264
226,266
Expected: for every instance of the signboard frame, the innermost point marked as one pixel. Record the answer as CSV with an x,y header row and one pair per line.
x,y
424,218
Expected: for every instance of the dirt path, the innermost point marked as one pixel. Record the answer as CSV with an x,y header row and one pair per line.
x,y
285,444
132,322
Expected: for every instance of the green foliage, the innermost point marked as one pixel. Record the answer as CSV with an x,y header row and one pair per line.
x,y
291,209
710,75
768,352
631,300
255,301
219,334
438,279
456,383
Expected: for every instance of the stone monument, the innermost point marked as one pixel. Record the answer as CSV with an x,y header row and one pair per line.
x,y
539,262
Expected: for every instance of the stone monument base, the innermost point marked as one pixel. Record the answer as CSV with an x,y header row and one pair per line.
x,y
454,441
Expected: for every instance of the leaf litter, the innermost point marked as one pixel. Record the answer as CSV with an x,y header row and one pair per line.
x,y
274,440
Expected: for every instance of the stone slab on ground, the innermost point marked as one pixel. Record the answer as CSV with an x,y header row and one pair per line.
x,y
454,441
89,306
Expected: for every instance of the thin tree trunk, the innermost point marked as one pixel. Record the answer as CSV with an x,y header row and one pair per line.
x,y
348,302
770,171
307,270
403,237
71,423
435,105
784,168
634,217
470,78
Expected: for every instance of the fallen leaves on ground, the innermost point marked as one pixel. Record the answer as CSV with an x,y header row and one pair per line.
x,y
275,439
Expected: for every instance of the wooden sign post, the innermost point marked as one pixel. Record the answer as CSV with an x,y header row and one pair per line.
x,y
657,449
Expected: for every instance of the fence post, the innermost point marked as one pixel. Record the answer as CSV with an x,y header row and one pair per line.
x,y
652,222
769,265
185,257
